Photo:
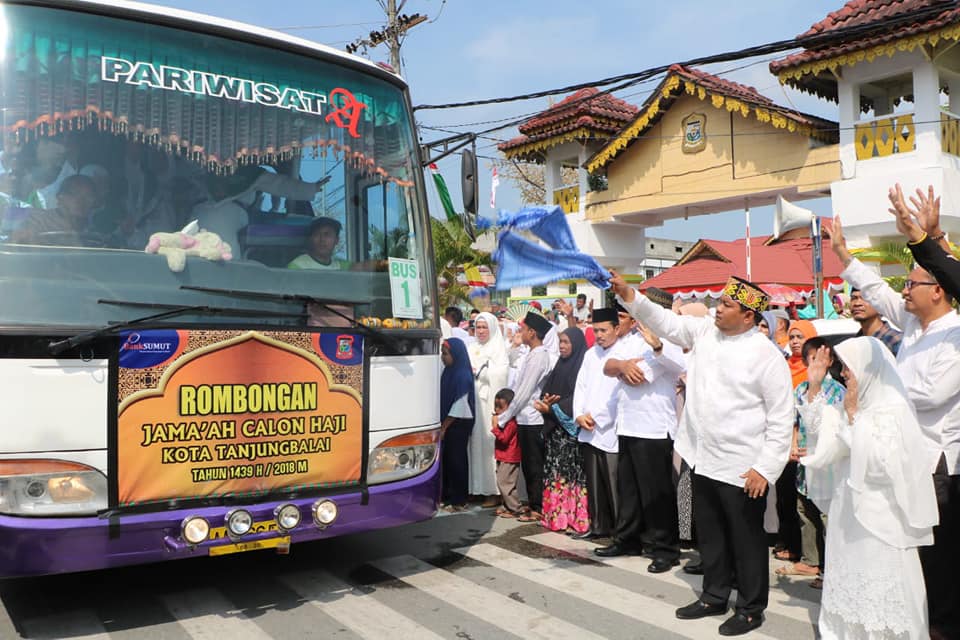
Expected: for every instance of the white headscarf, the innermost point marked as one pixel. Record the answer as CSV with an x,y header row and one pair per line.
x,y
551,342
494,349
893,493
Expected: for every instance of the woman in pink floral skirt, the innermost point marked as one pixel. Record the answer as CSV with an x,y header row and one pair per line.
x,y
564,486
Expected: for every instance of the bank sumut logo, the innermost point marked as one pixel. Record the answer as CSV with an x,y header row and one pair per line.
x,y
143,349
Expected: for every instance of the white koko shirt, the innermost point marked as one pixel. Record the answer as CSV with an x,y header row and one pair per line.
x,y
596,394
739,411
649,410
928,363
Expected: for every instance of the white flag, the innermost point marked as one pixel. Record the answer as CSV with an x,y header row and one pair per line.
x,y
494,183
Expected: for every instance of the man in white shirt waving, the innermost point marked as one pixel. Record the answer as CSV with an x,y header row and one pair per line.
x,y
735,433
928,362
647,370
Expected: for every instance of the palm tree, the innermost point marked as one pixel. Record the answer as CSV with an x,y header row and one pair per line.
x,y
453,251
889,253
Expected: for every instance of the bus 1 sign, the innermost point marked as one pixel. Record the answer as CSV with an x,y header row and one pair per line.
x,y
405,289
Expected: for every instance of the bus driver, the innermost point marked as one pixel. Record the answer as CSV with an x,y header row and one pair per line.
x,y
322,240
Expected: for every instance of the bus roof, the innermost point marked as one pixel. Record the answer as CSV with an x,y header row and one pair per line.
x,y
214,25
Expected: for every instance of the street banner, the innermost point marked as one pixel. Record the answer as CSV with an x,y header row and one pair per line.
x,y
226,413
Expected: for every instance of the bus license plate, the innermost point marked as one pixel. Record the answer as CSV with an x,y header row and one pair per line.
x,y
252,545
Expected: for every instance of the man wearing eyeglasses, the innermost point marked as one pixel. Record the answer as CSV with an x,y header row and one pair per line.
x,y
929,365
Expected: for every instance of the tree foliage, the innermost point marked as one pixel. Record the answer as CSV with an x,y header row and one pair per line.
x,y
453,252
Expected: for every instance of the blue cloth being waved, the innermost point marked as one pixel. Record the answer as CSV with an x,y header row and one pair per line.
x,y
457,379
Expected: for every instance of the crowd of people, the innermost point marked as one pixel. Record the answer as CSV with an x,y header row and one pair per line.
x,y
650,425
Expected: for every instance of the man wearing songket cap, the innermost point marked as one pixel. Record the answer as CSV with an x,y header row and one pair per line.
x,y
735,432
595,410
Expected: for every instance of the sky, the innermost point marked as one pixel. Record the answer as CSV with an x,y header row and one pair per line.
x,y
473,50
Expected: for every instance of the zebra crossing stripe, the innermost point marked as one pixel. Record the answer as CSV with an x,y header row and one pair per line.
x,y
205,614
362,614
77,625
779,602
511,616
623,601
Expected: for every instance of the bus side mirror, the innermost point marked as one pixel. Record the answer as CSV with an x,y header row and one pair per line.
x,y
469,188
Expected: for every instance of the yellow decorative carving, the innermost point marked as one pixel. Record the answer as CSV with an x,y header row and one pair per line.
x,y
949,134
885,137
849,59
718,100
670,85
906,133
546,143
568,198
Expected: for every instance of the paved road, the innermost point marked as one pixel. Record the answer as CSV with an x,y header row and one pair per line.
x,y
465,576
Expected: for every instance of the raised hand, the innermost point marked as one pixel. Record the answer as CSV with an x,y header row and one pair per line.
x,y
620,287
927,210
838,243
819,363
904,215
650,337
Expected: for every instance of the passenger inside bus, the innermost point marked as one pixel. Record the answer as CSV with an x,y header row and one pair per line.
x,y
322,239
68,222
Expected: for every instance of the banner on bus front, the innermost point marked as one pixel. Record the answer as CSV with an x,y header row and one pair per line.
x,y
223,413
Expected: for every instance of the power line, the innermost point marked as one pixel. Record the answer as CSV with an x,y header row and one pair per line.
x,y
628,95
779,46
323,26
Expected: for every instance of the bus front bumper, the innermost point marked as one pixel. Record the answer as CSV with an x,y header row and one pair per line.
x,y
38,546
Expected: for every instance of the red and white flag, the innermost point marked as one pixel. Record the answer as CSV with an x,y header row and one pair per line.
x,y
494,183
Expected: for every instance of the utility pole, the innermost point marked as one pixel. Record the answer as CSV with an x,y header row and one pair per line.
x,y
393,35
397,25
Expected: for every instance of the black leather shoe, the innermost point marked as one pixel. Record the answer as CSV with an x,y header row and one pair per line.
x,y
660,565
740,623
700,609
586,535
694,568
616,549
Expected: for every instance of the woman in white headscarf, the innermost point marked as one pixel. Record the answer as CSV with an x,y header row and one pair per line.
x,y
488,357
882,506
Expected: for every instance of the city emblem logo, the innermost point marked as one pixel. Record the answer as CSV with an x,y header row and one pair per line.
x,y
694,133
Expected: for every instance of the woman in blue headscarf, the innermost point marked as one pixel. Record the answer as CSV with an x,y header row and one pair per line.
x,y
457,410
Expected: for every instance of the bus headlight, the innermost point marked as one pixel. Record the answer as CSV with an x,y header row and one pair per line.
x,y
35,487
324,512
288,516
239,522
194,529
403,456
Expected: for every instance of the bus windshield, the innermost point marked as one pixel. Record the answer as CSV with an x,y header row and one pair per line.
x,y
141,164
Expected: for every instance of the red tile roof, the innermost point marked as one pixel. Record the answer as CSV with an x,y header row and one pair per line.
x,y
587,108
709,264
866,13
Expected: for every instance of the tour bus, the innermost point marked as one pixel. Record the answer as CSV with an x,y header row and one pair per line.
x,y
218,328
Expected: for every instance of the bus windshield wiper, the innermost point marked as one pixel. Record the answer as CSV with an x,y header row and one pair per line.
x,y
170,310
326,303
